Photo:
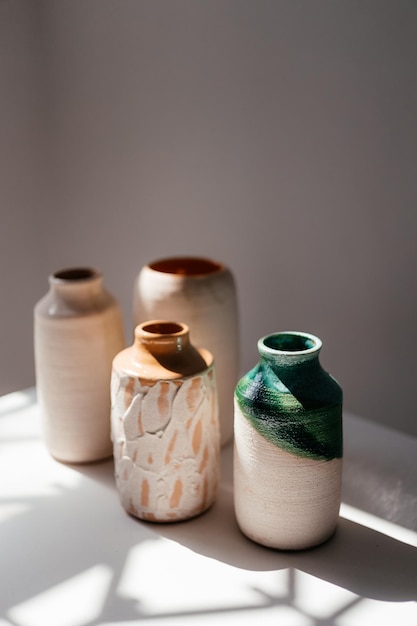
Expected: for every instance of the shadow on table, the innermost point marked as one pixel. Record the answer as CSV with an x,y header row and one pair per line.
x,y
82,526
52,539
356,558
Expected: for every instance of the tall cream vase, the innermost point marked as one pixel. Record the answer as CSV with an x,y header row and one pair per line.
x,y
202,293
77,332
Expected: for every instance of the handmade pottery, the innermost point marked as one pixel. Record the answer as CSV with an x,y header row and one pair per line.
x,y
202,294
77,332
165,427
288,445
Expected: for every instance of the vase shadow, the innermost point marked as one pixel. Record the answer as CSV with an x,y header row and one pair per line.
x,y
69,523
356,557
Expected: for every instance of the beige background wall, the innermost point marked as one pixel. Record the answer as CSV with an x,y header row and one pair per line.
x,y
277,136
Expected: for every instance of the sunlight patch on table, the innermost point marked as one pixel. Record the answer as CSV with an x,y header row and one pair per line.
x,y
29,478
164,577
277,616
383,526
75,602
369,612
8,511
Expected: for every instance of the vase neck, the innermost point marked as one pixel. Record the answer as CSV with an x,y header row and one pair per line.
x,y
163,349
289,349
79,288
162,337
290,364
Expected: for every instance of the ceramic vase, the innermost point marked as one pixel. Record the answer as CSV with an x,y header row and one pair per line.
x,y
165,427
202,294
77,332
288,445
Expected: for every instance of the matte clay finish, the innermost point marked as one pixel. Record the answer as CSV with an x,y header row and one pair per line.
x,y
202,294
165,426
288,445
77,332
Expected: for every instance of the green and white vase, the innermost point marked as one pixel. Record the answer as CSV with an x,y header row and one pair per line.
x,y
288,445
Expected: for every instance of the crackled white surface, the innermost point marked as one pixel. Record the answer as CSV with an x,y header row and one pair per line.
x,y
166,445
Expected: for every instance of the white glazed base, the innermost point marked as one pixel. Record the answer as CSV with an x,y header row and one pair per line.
x,y
166,446
282,500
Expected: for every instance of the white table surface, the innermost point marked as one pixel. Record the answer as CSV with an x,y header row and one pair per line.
x,y
71,556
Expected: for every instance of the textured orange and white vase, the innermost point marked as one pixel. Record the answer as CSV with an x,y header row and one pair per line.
x,y
78,330
165,427
201,293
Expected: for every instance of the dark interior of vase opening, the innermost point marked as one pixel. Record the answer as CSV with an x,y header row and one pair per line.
x,y
78,273
289,342
186,266
162,328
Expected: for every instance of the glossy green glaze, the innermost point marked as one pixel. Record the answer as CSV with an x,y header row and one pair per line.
x,y
291,400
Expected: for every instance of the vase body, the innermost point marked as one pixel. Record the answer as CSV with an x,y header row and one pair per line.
x,y
202,294
288,445
165,427
77,331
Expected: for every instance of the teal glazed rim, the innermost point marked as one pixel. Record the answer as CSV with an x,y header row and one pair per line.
x,y
289,346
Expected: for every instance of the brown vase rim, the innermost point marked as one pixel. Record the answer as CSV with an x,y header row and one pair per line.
x,y
75,274
186,266
161,328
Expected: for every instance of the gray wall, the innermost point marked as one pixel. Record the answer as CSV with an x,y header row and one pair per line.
x,y
277,136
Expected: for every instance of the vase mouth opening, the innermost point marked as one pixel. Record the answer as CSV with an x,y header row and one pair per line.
x,y
289,344
161,328
186,266
75,274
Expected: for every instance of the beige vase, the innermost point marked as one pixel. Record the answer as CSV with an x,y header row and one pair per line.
x,y
202,294
77,332
165,426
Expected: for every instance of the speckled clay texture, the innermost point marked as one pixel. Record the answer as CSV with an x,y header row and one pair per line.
x,y
288,445
166,445
283,500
